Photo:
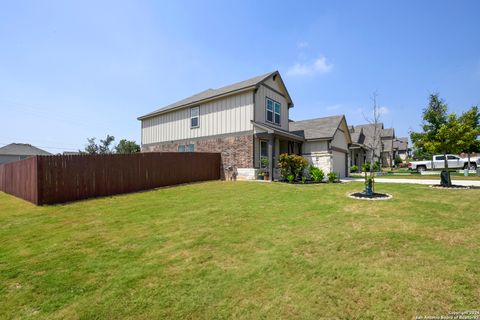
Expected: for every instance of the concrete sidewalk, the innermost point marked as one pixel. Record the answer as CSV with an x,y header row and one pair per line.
x,y
469,183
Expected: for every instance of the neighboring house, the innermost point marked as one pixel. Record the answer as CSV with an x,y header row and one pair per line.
x,y
326,143
372,141
19,151
400,147
388,157
246,122
358,149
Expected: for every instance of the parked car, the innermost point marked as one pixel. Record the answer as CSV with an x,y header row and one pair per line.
x,y
438,162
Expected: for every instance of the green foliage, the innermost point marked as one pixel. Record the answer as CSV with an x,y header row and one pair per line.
x,y
304,178
290,178
446,133
316,174
264,162
332,177
104,147
126,147
353,168
366,166
377,166
292,164
398,160
421,154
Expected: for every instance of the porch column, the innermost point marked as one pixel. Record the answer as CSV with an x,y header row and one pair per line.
x,y
271,145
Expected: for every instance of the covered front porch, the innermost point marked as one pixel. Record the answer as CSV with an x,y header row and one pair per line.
x,y
269,143
358,156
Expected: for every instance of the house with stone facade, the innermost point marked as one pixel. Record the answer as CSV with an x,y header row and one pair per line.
x,y
369,141
400,148
326,144
248,123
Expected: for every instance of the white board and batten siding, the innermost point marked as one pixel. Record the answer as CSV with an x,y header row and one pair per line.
x,y
221,116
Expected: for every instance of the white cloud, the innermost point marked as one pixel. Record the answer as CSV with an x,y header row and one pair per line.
x,y
302,44
383,110
320,66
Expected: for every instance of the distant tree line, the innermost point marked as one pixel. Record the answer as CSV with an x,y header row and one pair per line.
x,y
105,146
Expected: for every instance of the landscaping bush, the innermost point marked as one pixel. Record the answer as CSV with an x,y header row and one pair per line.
x,y
290,178
292,164
398,160
354,168
332,177
366,166
376,166
316,174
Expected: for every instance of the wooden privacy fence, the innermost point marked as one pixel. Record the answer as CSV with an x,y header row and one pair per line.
x,y
57,179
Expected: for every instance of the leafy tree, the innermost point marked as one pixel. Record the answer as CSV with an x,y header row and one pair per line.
x,y
91,148
445,133
471,121
102,148
421,154
126,147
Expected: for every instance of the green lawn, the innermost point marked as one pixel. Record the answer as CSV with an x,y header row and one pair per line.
x,y
242,250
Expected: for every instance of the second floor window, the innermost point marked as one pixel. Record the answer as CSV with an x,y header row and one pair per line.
x,y
194,117
273,111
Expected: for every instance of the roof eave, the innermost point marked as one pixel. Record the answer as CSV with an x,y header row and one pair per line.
x,y
153,114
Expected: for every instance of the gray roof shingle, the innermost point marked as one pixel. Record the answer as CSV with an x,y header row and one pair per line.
x,y
388,132
212,93
320,128
22,149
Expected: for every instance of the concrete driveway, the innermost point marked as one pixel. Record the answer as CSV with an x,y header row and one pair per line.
x,y
470,183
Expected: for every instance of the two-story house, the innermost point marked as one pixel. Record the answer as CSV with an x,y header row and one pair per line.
x,y
247,122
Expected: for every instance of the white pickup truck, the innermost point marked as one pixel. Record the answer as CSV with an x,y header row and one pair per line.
x,y
438,162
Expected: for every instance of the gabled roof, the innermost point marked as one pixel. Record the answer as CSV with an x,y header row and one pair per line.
x,y
22,149
278,131
357,136
369,132
220,92
320,128
401,144
387,133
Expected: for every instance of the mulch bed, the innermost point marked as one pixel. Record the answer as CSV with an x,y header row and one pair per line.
x,y
374,197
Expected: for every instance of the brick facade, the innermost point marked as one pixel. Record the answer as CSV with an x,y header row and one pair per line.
x,y
237,151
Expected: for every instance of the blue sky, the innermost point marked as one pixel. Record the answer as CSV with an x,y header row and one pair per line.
x,y
71,70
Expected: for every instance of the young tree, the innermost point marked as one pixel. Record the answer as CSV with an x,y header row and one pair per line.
x,y
91,147
374,146
444,133
126,146
102,148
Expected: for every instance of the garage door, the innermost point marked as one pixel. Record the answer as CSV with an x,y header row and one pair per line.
x,y
339,163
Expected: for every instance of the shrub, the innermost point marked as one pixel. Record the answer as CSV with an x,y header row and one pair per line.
x,y
291,164
264,162
316,174
304,179
376,166
290,178
332,177
354,168
366,166
398,160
